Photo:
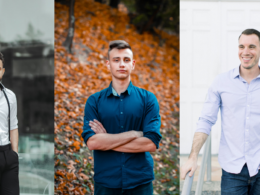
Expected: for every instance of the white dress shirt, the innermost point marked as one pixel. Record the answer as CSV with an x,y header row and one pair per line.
x,y
4,135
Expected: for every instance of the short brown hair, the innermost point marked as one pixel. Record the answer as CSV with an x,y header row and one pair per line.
x,y
118,44
250,32
2,58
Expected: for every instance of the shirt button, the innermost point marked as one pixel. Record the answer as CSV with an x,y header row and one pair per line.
x,y
121,112
122,127
246,129
247,105
123,153
121,100
247,117
246,142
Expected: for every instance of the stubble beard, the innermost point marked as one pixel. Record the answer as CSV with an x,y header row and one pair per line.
x,y
255,63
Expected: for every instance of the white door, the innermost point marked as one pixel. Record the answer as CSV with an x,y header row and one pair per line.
x,y
209,34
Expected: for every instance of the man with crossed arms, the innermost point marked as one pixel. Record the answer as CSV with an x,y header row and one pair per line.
x,y
237,94
122,125
9,165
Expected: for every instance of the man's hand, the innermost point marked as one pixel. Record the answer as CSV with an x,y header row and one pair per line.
x,y
97,127
14,135
190,165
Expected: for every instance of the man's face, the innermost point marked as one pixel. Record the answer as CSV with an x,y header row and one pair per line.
x,y
249,50
2,70
121,63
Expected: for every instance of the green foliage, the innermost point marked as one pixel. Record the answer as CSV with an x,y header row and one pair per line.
x,y
149,14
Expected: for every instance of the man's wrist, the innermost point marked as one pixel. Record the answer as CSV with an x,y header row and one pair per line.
x,y
193,156
137,134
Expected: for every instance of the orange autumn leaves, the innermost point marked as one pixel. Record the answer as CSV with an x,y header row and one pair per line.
x,y
82,73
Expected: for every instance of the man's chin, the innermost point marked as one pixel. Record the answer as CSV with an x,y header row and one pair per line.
x,y
248,67
122,78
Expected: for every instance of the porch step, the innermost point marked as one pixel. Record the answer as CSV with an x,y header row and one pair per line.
x,y
209,188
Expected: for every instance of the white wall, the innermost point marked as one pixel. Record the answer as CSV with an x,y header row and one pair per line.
x,y
209,32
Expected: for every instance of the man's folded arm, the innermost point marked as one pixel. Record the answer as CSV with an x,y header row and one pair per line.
x,y
141,144
106,141
130,141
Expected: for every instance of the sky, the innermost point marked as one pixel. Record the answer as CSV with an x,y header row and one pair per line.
x,y
16,15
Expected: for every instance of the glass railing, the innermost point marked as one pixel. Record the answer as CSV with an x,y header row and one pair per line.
x,y
36,166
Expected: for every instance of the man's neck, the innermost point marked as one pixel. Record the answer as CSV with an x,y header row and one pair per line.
x,y
249,74
120,86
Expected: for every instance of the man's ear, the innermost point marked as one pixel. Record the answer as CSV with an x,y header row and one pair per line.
x,y
3,71
108,64
133,65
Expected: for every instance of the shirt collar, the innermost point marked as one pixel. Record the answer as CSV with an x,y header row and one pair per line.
x,y
111,90
236,72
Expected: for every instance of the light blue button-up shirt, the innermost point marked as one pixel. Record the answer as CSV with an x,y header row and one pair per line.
x,y
239,103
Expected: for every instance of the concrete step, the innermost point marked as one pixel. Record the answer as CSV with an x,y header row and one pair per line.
x,y
209,188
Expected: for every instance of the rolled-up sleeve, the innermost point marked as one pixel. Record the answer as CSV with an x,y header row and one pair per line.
x,y
13,113
210,109
152,120
90,114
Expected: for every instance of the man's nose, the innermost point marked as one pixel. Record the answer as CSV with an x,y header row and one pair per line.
x,y
122,63
246,50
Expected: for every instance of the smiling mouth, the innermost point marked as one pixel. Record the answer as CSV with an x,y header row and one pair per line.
x,y
246,59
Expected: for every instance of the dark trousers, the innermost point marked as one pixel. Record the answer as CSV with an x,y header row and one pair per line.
x,y
145,189
240,184
9,168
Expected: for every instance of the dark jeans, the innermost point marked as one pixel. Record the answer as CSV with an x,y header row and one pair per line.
x,y
240,184
145,189
9,168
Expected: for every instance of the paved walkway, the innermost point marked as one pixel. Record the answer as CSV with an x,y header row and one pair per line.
x,y
216,170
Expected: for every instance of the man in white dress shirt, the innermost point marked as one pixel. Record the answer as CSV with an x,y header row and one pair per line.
x,y
9,164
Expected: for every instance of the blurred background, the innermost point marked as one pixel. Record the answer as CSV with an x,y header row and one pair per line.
x,y
27,43
83,29
209,34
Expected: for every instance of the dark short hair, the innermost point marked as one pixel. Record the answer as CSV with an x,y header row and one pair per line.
x,y
118,44
2,58
250,32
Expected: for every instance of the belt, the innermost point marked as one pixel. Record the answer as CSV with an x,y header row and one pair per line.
x,y
5,147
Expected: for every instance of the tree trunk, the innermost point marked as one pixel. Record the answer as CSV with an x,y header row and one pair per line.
x,y
68,42
114,3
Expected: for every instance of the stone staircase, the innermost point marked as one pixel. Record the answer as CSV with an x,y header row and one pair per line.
x,y
209,188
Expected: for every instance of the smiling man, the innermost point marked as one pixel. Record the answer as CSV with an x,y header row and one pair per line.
x,y
9,183
122,125
237,94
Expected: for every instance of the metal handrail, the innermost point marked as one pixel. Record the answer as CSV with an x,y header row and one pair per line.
x,y
205,156
206,161
186,189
